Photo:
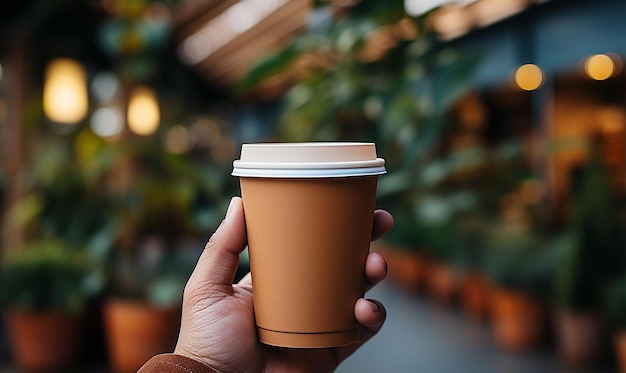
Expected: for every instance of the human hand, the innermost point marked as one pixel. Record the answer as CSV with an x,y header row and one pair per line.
x,y
218,327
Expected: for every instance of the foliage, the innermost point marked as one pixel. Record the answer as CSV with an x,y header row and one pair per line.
x,y
398,100
153,272
67,197
589,248
113,200
169,194
509,233
614,301
135,35
494,180
519,258
448,214
171,202
48,275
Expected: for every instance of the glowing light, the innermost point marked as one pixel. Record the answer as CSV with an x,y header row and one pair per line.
x,y
143,111
107,122
599,67
65,91
528,77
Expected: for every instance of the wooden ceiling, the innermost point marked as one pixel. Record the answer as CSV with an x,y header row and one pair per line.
x,y
222,54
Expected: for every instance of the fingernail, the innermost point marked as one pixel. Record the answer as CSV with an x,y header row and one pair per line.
x,y
230,209
374,306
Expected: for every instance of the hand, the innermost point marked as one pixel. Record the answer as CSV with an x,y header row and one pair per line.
x,y
218,326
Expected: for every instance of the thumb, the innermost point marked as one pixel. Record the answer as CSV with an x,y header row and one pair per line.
x,y
218,262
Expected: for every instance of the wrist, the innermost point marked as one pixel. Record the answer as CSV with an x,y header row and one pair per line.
x,y
175,363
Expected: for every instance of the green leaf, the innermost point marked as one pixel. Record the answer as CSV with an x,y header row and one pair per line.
x,y
268,66
27,210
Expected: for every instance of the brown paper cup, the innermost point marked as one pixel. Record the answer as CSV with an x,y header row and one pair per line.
x,y
308,236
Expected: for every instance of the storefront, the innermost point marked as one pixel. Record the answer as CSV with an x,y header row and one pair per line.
x,y
574,89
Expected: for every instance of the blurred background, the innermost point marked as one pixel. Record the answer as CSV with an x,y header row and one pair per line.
x,y
502,123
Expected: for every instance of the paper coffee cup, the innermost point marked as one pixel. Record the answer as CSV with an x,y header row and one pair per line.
x,y
309,210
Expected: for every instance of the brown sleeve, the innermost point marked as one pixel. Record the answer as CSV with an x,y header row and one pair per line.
x,y
171,363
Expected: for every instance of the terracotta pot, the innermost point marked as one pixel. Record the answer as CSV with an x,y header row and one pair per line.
x,y
579,337
474,296
44,341
620,349
518,320
443,283
136,331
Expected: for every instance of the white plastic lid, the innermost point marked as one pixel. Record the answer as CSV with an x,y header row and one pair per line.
x,y
308,160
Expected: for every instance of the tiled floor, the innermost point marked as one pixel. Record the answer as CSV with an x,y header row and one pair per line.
x,y
422,337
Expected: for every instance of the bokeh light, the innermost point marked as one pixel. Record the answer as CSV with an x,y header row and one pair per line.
x,y
65,97
177,140
143,111
205,132
528,77
599,67
107,122
105,87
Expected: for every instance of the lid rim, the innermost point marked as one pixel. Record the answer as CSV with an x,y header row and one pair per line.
x,y
378,162
310,173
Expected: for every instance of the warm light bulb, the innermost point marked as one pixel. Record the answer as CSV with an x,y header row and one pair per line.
x,y
599,67
65,91
143,111
528,77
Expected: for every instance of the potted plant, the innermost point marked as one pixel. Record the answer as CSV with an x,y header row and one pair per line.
x,y
437,236
405,260
142,317
140,215
588,258
615,308
519,265
491,180
44,290
474,285
66,198
170,206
